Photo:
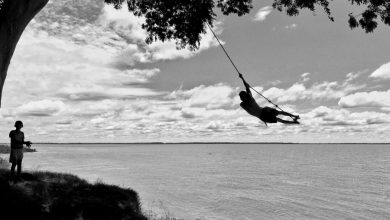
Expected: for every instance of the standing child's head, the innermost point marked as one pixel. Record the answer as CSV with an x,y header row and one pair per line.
x,y
18,125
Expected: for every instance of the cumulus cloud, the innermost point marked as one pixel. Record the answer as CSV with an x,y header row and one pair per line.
x,y
54,67
116,31
127,27
86,64
317,91
274,83
299,91
386,109
211,97
190,110
352,76
305,77
262,14
382,72
197,112
366,99
325,116
41,108
96,93
291,26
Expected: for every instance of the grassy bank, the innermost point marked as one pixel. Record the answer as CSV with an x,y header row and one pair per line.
x,y
47,195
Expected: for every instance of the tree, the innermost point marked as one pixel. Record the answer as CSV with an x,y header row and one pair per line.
x,y
183,21
367,19
14,17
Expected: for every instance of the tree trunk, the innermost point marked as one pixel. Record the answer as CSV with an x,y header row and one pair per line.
x,y
14,17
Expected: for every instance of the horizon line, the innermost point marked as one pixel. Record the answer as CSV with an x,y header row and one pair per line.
x,y
196,142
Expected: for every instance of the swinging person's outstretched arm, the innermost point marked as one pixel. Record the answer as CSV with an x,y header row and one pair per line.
x,y
247,87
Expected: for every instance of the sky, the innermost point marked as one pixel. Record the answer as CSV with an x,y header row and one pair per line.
x,y
83,73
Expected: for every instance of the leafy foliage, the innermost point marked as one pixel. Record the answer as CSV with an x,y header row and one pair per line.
x,y
183,21
367,20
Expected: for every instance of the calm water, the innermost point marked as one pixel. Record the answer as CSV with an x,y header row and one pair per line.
x,y
237,181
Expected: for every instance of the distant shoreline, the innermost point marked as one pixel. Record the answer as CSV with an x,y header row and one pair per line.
x,y
163,143
5,149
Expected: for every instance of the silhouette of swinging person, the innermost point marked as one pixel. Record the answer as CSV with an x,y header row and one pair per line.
x,y
266,114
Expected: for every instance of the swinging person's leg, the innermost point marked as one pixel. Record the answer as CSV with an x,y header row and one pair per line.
x,y
287,122
288,114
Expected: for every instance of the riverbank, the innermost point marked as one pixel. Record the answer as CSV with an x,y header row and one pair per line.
x,y
48,195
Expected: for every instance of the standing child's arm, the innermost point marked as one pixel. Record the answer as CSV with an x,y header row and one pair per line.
x,y
27,143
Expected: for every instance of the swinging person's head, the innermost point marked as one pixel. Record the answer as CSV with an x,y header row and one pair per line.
x,y
244,96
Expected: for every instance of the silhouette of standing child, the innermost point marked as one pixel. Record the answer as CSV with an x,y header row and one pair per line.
x,y
16,155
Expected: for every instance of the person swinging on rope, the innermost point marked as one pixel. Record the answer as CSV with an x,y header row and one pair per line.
x,y
266,114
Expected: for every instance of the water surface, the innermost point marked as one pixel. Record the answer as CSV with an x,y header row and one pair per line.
x,y
237,181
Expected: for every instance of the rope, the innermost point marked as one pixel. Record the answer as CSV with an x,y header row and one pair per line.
x,y
239,74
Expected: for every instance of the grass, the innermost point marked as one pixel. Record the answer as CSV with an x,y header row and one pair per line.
x,y
5,149
47,195
4,164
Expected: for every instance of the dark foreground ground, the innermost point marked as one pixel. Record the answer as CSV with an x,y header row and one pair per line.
x,y
47,195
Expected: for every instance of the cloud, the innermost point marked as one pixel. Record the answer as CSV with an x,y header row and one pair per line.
x,y
366,99
134,76
86,110
117,31
127,28
64,122
215,125
198,112
56,68
41,108
382,72
325,116
305,77
298,91
95,93
262,14
274,83
291,26
210,97
317,91
352,76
